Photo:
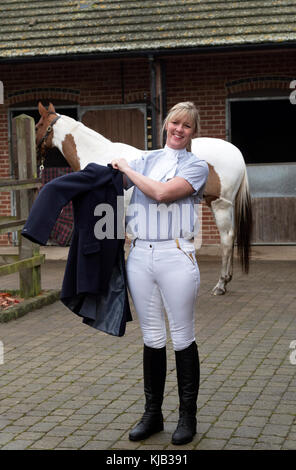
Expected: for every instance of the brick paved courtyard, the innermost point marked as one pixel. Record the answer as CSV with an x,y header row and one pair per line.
x,y
66,386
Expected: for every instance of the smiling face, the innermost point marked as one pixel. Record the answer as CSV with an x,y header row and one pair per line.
x,y
180,130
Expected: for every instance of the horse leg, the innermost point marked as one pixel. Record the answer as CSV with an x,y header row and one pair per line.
x,y
223,213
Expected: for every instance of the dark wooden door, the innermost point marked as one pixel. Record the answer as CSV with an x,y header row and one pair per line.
x,y
118,125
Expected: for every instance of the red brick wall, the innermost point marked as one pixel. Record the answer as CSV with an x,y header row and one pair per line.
x,y
206,79
209,80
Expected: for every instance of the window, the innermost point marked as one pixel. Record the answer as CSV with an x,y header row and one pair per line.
x,y
264,129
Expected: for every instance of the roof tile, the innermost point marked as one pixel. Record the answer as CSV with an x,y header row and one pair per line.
x,y
37,28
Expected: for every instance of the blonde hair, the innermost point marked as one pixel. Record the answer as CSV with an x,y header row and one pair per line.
x,y
179,110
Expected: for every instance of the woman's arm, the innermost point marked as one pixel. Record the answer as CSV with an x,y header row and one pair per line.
x,y
176,188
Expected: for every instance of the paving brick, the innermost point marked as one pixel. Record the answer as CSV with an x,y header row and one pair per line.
x,y
19,444
275,430
46,443
61,431
73,442
248,431
258,421
277,418
210,444
289,445
219,432
242,442
109,434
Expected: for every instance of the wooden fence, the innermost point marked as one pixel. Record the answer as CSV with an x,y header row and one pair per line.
x,y
26,185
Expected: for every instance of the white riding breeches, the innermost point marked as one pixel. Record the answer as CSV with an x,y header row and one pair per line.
x,y
162,276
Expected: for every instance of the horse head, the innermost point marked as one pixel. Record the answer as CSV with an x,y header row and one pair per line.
x,y
47,136
44,128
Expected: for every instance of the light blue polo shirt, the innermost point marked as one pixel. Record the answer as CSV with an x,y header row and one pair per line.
x,y
149,220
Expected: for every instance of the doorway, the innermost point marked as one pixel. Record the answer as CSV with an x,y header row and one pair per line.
x,y
264,129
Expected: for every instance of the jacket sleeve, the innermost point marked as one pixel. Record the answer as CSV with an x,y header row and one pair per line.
x,y
56,194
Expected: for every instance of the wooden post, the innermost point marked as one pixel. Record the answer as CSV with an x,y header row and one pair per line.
x,y
157,92
26,168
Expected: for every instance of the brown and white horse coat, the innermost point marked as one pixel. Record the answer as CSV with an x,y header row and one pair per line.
x,y
226,191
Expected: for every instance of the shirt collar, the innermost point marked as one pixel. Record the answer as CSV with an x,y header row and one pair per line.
x,y
175,153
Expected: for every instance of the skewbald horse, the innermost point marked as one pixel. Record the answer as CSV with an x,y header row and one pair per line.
x,y
226,191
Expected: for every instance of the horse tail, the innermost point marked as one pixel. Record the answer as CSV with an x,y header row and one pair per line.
x,y
243,222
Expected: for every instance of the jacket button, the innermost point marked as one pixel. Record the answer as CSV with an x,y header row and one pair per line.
x,y
150,246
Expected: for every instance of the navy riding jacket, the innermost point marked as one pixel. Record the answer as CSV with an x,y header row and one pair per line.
x,y
94,285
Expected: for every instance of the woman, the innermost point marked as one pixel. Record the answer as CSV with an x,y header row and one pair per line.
x,y
161,268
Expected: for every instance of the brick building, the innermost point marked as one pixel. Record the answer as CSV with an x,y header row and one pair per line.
x,y
119,65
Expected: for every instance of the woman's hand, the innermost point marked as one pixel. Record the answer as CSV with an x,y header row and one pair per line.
x,y
120,164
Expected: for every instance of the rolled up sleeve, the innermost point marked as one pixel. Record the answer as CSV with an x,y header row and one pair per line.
x,y
196,173
135,165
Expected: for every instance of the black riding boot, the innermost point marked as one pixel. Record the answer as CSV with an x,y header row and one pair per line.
x,y
154,367
187,364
